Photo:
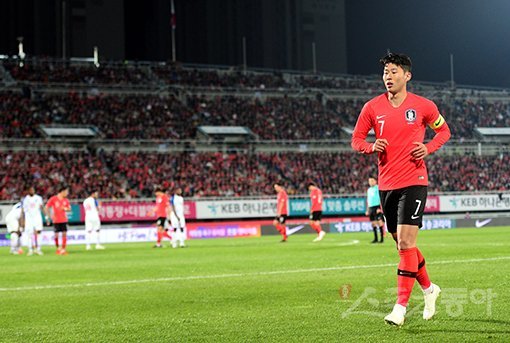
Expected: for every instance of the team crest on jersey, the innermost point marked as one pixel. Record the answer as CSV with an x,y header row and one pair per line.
x,y
411,115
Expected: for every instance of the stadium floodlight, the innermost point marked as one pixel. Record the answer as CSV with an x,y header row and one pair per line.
x,y
96,57
21,53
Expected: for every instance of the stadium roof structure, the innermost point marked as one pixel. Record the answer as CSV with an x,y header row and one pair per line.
x,y
227,134
493,133
71,131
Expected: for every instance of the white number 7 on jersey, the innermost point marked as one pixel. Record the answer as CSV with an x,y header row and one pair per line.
x,y
382,126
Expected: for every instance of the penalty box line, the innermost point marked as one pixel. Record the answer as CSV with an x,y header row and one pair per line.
x,y
236,275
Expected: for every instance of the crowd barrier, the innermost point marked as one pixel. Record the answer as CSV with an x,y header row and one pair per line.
x,y
131,233
223,209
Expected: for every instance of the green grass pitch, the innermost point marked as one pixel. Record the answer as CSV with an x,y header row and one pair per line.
x,y
257,290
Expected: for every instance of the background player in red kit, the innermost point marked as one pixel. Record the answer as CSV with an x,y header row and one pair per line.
x,y
399,119
316,201
282,212
59,205
162,210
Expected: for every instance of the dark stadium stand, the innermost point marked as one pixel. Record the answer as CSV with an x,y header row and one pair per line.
x,y
165,103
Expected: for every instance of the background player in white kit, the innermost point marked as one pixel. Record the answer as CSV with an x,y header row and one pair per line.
x,y
92,221
32,206
14,221
177,219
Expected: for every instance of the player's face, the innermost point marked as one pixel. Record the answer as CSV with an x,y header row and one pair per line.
x,y
372,182
31,191
395,78
277,188
65,193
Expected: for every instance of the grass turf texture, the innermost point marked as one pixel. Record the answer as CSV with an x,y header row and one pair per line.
x,y
254,289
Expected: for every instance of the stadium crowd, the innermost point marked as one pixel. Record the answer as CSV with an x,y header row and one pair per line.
x,y
167,117
134,175
59,71
48,70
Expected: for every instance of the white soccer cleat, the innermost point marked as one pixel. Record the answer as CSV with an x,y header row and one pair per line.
x,y
39,252
88,247
430,302
182,245
320,237
397,316
30,253
100,247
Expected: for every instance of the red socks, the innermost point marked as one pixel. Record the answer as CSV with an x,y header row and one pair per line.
x,y
316,227
422,276
159,237
407,271
56,240
64,241
283,231
165,234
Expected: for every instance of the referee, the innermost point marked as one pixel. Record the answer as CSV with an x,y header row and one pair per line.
x,y
374,209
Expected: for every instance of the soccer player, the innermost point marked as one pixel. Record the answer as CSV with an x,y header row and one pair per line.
x,y
161,210
399,119
92,221
177,219
316,210
32,206
374,209
59,205
14,222
282,212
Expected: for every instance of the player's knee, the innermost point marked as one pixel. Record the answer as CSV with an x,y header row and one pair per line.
x,y
404,243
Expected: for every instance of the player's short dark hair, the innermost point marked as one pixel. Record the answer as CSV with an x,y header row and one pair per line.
x,y
311,183
63,188
400,60
158,189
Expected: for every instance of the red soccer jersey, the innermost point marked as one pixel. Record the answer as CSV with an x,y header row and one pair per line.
x,y
316,199
282,200
162,203
401,126
59,207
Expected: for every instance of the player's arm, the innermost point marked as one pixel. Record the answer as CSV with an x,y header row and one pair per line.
x,y
22,218
360,133
171,209
67,207
442,136
279,208
47,214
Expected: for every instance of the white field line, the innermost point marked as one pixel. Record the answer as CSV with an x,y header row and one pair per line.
x,y
237,275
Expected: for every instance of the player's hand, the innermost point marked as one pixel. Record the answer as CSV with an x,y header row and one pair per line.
x,y
419,152
379,145
378,210
366,213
